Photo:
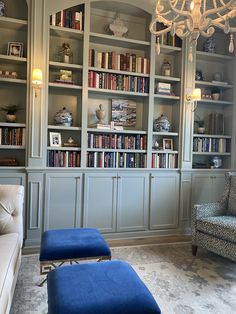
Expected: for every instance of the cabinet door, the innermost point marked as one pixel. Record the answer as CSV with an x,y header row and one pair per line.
x,y
201,189
12,178
100,201
63,200
164,200
218,183
132,205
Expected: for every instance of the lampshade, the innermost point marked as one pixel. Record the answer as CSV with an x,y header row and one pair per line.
x,y
196,94
37,77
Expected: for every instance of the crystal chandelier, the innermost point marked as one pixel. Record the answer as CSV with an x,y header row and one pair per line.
x,y
191,19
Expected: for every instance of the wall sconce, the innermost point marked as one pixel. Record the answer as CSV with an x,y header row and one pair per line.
x,y
194,97
37,80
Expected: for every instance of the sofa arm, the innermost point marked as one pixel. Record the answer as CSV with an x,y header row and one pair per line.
x,y
11,209
202,211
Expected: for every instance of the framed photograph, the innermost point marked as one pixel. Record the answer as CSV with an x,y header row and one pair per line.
x,y
15,49
55,139
124,112
167,144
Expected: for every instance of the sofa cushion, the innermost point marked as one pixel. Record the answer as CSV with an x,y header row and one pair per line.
x,y
232,197
10,248
222,227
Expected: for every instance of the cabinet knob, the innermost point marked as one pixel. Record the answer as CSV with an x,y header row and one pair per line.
x,y
113,177
118,177
152,177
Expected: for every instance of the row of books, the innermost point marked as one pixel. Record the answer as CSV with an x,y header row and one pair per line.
x,y
12,136
57,158
116,160
121,62
167,39
127,83
117,141
164,161
68,18
217,145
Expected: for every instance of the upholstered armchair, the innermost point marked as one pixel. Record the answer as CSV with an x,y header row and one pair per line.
x,y
214,224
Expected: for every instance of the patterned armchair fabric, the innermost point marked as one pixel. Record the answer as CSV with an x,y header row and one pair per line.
x,y
214,226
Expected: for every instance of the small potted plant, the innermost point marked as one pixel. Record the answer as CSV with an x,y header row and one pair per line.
x,y
215,93
11,111
200,126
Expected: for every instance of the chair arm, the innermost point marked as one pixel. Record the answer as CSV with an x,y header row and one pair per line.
x,y
202,211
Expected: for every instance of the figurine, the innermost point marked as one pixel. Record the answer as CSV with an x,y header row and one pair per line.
x,y
100,114
117,27
66,52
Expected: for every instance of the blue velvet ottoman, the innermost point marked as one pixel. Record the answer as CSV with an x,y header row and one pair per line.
x,y
68,245
98,288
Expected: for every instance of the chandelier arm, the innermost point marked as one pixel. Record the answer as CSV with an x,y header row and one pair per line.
x,y
208,33
218,9
183,13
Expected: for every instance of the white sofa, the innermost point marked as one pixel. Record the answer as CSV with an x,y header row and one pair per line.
x,y
11,238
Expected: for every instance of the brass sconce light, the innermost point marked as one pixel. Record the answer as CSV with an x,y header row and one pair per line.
x,y
194,98
37,80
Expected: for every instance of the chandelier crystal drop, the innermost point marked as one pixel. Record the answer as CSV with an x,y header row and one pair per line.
x,y
191,19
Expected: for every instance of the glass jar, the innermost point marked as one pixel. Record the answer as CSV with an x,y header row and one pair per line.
x,y
166,68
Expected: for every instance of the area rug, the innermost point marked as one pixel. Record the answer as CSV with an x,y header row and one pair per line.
x,y
180,283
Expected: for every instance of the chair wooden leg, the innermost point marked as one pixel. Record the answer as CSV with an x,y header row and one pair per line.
x,y
194,250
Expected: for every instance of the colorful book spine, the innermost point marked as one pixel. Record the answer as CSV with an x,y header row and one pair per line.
x,y
57,158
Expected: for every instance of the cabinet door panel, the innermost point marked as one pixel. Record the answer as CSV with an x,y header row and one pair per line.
x,y
100,201
63,201
132,210
201,189
218,183
164,201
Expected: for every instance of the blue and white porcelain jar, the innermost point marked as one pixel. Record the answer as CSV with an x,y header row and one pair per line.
x,y
161,124
63,117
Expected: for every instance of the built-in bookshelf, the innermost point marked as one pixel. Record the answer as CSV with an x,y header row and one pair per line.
x,y
215,111
65,86
13,84
167,98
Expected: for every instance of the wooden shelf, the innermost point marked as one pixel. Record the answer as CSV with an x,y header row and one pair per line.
x,y
13,81
215,102
118,41
64,128
170,49
212,57
118,72
12,147
211,84
109,150
12,59
66,32
12,23
59,65
175,152
170,97
212,136
66,86
118,92
211,153
165,133
167,78
93,130
12,125
77,149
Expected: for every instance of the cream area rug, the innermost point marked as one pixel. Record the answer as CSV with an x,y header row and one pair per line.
x,y
180,283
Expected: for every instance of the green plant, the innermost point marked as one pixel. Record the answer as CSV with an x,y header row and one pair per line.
x,y
10,109
200,123
215,90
